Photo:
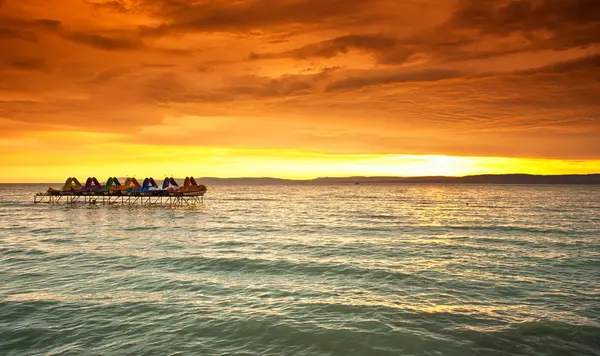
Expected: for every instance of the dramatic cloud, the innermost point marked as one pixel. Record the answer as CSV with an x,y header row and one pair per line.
x,y
503,78
528,16
105,42
334,47
239,16
26,63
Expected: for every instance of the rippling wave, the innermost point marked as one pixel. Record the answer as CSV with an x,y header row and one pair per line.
x,y
306,270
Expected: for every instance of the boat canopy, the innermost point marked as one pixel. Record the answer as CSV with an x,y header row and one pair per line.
x,y
91,184
112,184
148,185
131,184
109,183
170,184
70,184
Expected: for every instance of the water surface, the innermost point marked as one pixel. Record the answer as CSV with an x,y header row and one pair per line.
x,y
306,270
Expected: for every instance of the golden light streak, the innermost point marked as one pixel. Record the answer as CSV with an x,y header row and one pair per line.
x,y
102,156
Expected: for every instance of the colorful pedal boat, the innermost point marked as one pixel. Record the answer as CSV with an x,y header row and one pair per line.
x,y
70,185
149,187
92,187
113,186
170,185
191,188
130,186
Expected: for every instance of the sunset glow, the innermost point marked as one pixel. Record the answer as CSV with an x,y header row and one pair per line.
x,y
298,88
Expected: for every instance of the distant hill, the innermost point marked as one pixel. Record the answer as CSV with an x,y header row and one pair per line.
x,y
474,179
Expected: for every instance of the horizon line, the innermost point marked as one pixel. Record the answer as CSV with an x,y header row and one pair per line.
x,y
370,177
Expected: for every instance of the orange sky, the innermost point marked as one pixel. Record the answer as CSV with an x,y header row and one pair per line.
x,y
298,88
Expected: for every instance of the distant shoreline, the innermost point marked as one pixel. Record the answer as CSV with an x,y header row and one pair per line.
x,y
579,179
473,179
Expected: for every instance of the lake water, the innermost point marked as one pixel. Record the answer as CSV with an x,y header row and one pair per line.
x,y
306,270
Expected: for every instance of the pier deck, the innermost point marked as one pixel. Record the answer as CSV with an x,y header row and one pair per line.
x,y
168,200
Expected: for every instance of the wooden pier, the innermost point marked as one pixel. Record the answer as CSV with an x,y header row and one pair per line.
x,y
137,199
